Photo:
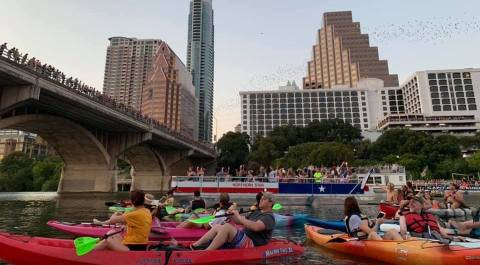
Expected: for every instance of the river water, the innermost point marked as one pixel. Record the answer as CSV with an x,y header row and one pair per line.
x,y
29,212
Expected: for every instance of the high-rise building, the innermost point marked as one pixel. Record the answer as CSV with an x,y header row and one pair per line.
x,y
343,55
169,95
439,101
200,55
362,106
127,64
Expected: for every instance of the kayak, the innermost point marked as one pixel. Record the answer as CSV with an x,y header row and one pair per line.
x,y
415,251
283,220
327,224
25,250
166,231
389,209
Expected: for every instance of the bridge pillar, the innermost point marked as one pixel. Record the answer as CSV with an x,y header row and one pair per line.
x,y
81,178
11,95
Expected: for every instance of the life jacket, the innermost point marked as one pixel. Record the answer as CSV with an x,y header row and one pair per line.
x,y
421,223
356,232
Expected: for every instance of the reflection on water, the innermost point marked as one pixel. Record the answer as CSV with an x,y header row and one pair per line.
x,y
28,213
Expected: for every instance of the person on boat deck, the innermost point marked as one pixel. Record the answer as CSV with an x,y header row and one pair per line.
x,y
258,228
138,223
454,197
358,225
220,209
470,228
419,223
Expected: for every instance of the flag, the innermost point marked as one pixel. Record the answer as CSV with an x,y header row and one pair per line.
x,y
364,180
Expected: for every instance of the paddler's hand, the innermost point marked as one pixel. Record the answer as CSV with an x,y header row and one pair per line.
x,y
232,207
380,221
234,213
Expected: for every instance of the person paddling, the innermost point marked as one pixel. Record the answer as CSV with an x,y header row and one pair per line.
x,y
198,202
138,223
220,209
258,228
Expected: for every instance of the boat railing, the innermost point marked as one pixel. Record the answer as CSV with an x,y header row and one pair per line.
x,y
220,179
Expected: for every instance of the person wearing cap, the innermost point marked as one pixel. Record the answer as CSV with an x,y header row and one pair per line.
x,y
221,209
258,228
419,223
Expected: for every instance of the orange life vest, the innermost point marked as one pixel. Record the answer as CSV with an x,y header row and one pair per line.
x,y
420,223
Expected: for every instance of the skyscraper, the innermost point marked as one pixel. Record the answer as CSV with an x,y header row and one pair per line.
x,y
343,55
127,64
200,55
169,95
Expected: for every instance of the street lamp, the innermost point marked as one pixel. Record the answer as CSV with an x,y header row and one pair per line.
x,y
216,129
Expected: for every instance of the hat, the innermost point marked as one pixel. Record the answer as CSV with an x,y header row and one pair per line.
x,y
418,199
269,196
150,200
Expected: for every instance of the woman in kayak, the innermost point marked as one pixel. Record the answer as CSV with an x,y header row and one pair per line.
x,y
258,228
138,223
421,224
454,197
358,225
390,189
220,209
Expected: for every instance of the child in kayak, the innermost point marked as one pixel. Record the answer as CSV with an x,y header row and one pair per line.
x,y
258,228
358,225
138,223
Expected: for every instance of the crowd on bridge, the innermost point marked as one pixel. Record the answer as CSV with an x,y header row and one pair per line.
x,y
77,86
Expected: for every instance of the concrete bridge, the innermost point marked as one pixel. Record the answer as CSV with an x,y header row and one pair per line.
x,y
91,131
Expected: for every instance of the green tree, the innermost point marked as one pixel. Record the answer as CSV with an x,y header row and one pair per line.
x,y
298,155
264,151
329,154
16,172
233,149
474,162
413,163
445,168
46,173
399,142
334,130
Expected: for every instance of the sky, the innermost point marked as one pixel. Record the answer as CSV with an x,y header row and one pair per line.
x,y
259,44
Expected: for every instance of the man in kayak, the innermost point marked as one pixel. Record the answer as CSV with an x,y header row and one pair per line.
x,y
421,224
220,209
470,228
138,223
258,228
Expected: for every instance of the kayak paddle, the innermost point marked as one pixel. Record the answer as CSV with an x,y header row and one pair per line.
x,y
170,209
83,245
207,219
277,206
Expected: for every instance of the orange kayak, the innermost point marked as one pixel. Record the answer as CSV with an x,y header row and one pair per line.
x,y
414,251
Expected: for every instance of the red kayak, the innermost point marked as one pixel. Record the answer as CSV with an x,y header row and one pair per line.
x,y
389,209
25,250
166,231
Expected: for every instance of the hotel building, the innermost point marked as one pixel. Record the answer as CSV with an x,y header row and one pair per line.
x,y
440,101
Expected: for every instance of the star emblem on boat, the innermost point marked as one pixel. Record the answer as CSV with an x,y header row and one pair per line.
x,y
322,188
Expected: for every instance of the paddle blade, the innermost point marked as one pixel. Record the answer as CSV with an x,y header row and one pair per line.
x,y
170,209
277,206
83,245
199,210
202,220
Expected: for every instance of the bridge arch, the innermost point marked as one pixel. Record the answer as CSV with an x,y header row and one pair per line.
x,y
88,166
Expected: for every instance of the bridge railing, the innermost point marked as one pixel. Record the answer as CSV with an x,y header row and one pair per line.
x,y
53,74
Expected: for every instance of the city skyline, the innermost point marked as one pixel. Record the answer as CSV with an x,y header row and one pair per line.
x,y
261,53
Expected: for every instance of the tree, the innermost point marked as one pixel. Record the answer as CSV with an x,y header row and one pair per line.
x,y
329,154
298,155
264,151
233,149
474,162
46,173
16,172
334,130
398,142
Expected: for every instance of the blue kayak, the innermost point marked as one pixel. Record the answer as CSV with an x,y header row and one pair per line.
x,y
282,220
331,224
